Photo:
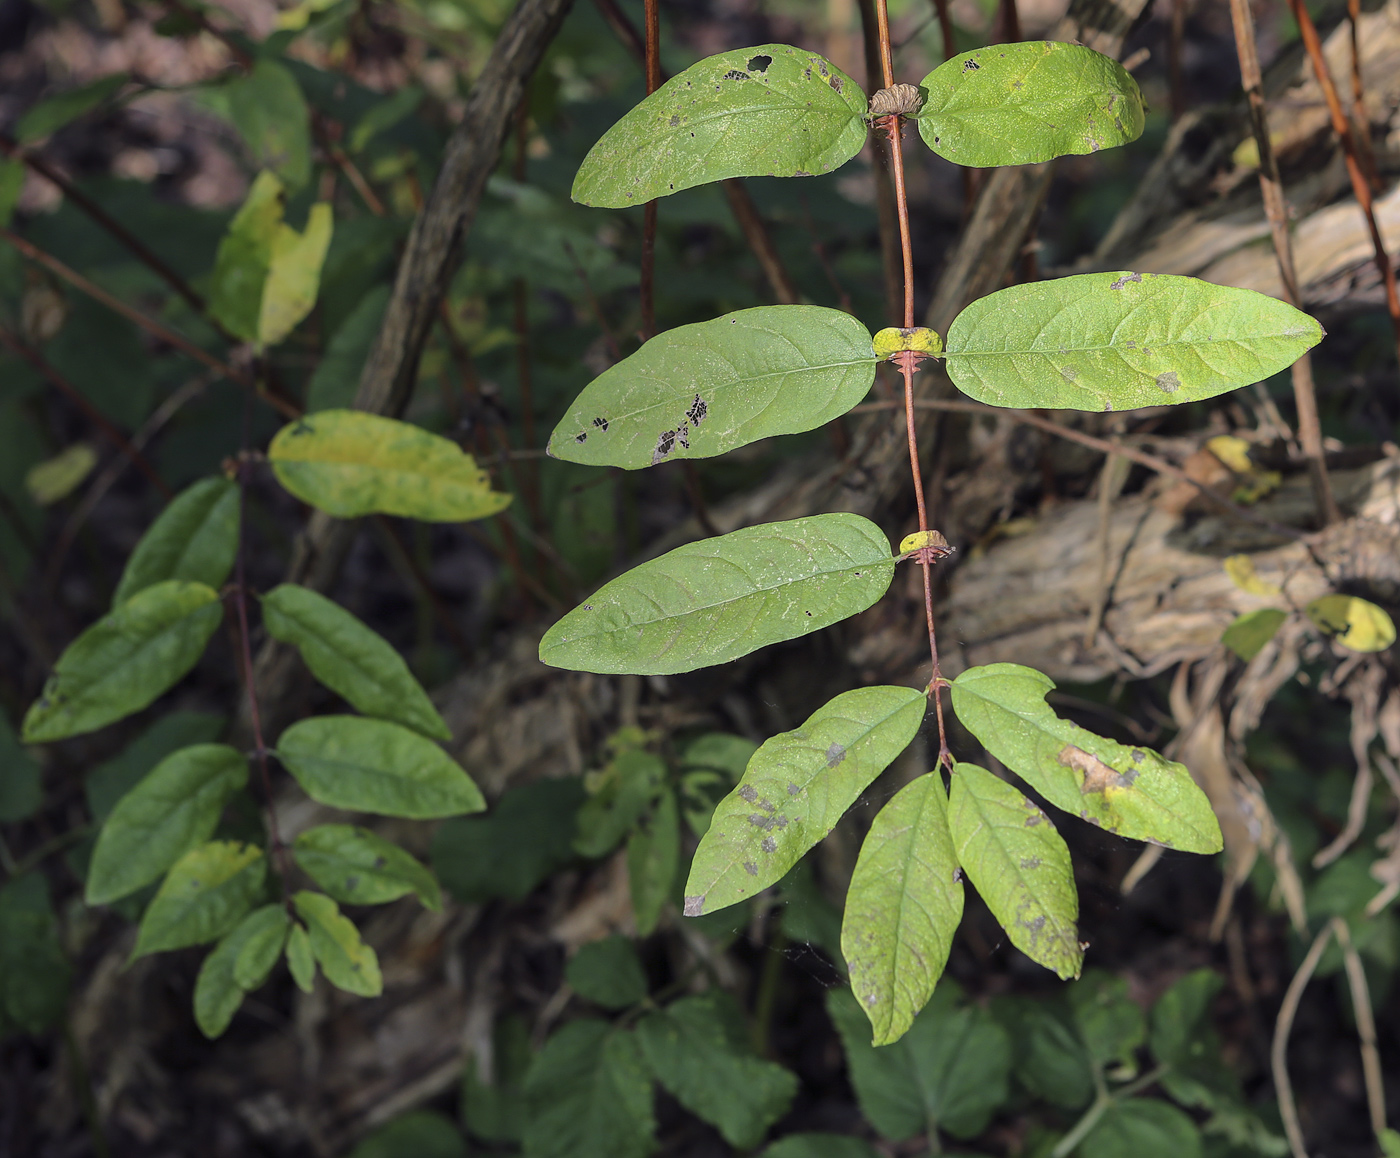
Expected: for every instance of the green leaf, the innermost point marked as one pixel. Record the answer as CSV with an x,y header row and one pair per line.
x,y
195,538
796,787
619,795
1128,790
244,257
524,840
34,970
419,1134
653,858
336,379
709,767
1020,866
174,808
11,186
48,116
1050,1059
111,780
1111,1025
301,961
205,895
125,660
701,390
1390,1143
769,111
354,662
356,867
376,766
21,783
696,1047
1017,104
58,477
588,1095
1117,341
495,1111
710,602
949,1071
265,935
349,463
608,973
1249,633
1354,623
821,1146
218,991
1142,1128
903,907
347,962
1183,1039
294,274
270,113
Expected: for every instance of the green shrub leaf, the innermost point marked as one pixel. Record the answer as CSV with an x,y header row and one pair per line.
x,y
608,973
1184,1039
950,1071
195,538
50,115
1017,104
335,380
418,1134
1020,866
795,789
1117,341
653,858
294,274
769,111
270,113
349,463
206,893
347,962
217,993
356,867
175,807
1249,633
1142,1128
621,791
21,782
376,766
696,1047
301,961
710,602
354,662
1111,1024
1050,1059
125,660
1131,791
902,908
245,256
701,390
821,1146
34,969
266,935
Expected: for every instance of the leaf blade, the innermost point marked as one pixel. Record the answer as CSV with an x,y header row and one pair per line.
x,y
205,895
347,962
195,538
357,867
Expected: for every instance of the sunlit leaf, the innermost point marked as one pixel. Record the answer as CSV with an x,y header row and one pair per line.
x,y
195,538
701,390
357,867
347,962
653,858
294,275
795,789
1249,633
1117,341
1019,865
712,601
204,896
1128,790
902,908
350,463
1355,623
1017,104
58,477
125,660
769,111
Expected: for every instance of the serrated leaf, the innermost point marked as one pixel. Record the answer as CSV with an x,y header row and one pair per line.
x,y
1183,1039
294,274
588,1095
1117,341
347,962
702,390
271,115
349,463
356,867
195,538
125,660
902,908
34,969
1111,1025
713,601
376,766
950,1071
418,1134
696,1049
495,1111
266,934
205,894
1355,623
48,116
608,973
1019,865
355,662
174,808
1142,1128
301,961
768,111
1131,791
1050,1059
1249,633
795,789
821,1146
21,783
1019,104
653,858
244,257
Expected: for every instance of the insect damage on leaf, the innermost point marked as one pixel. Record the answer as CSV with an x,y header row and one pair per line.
x,y
1098,776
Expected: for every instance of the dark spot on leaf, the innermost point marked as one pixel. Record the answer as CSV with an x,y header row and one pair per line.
x,y
835,754
748,792
675,121
835,83
602,424
683,435
793,789
759,63
1138,755
1124,280
664,445
1034,818
1069,373
769,844
1169,382
801,173
970,66
767,805
351,884
807,73
751,868
699,409
1030,862
581,437
758,820
957,875
936,140
735,74
694,906
809,615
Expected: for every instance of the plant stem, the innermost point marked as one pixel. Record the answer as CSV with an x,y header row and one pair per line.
x,y
1365,1027
1278,1054
648,280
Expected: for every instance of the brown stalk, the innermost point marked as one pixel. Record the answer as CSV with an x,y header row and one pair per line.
x,y
1276,209
653,72
886,214
1365,1027
1360,118
1278,1054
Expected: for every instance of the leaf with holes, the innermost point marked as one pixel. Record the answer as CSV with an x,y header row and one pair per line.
x,y
195,538
710,602
795,789
701,390
1128,790
347,962
375,766
125,660
902,908
349,463
205,894
357,867
1020,866
1017,104
1117,341
770,111
354,662
175,807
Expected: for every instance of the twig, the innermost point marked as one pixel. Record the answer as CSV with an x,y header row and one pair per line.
x,y
1278,1054
1365,1027
652,13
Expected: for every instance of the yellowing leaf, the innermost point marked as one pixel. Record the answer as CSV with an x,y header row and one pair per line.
x,y
294,275
61,475
1240,569
244,258
1354,623
891,340
1232,451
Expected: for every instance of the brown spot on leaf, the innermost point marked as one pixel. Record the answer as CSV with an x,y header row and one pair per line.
x,y
748,792
835,754
1098,776
751,868
694,906
675,121
793,789
1124,280
1169,382
769,844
